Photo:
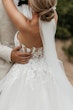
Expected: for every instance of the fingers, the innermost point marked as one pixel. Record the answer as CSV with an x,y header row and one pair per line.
x,y
25,54
23,62
17,48
20,57
26,58
22,53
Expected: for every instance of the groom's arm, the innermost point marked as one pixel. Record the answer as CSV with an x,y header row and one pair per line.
x,y
14,55
5,52
6,26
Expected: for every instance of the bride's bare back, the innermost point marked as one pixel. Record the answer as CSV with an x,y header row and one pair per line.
x,y
31,37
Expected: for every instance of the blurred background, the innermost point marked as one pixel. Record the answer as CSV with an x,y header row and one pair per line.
x,y
64,35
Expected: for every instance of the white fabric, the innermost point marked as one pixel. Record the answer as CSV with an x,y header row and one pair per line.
x,y
35,85
50,55
5,52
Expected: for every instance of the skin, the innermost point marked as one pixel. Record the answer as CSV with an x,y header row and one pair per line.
x,y
20,57
28,29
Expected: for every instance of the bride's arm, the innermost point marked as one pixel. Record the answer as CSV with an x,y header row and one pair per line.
x,y
17,18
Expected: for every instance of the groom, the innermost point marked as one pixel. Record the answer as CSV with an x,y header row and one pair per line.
x,y
9,54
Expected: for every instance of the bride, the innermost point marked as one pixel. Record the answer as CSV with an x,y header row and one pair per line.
x,y
40,84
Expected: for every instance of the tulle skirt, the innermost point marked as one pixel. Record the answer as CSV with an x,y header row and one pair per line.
x,y
31,87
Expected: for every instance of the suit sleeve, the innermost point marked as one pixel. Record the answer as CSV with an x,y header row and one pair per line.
x,y
5,53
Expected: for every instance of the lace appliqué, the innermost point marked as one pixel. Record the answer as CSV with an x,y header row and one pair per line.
x,y
34,73
38,76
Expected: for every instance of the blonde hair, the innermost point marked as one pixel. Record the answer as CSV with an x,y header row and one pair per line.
x,y
44,8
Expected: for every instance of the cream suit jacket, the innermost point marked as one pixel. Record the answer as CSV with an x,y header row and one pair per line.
x,y
7,32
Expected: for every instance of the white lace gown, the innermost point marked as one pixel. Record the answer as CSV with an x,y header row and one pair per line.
x,y
31,86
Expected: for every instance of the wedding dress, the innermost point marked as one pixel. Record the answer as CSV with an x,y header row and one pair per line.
x,y
40,84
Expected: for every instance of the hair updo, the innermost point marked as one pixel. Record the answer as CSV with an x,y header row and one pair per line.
x,y
44,8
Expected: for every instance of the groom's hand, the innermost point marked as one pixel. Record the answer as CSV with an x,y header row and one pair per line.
x,y
20,57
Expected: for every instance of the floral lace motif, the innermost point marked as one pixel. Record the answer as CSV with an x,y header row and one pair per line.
x,y
34,73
